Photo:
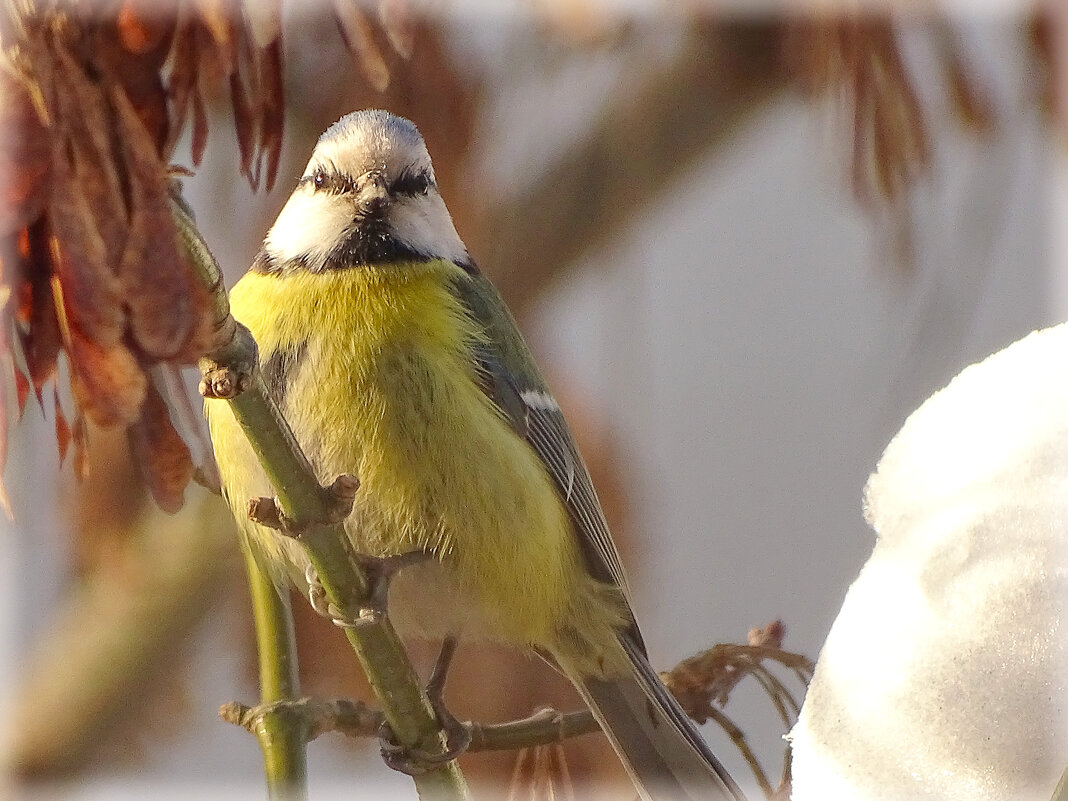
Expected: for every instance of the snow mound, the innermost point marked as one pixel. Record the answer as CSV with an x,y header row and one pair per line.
x,y
944,674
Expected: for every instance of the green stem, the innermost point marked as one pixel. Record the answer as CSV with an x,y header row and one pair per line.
x,y
306,502
284,745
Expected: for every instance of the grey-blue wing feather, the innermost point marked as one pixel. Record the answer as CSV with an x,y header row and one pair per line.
x,y
511,379
663,751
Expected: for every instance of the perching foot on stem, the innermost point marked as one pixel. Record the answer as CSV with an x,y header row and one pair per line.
x,y
379,571
457,736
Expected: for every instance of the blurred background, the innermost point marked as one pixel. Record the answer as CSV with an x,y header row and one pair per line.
x,y
743,248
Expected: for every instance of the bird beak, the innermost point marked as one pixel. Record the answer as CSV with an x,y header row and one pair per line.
x,y
373,194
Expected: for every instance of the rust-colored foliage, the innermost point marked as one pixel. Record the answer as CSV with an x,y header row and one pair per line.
x,y
1048,34
92,103
397,27
90,109
859,57
156,443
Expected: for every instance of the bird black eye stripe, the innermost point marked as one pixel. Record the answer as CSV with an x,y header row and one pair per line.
x,y
326,181
411,183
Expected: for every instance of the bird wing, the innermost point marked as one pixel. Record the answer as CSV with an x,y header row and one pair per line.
x,y
511,379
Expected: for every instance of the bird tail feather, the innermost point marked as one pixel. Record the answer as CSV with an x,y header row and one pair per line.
x,y
658,744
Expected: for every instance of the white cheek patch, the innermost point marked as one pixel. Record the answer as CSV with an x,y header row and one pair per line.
x,y
423,224
310,225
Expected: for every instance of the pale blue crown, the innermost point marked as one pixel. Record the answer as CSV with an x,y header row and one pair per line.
x,y
375,121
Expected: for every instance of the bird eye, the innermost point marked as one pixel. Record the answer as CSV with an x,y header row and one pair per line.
x,y
412,183
319,179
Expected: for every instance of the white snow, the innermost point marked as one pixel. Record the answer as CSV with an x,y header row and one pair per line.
x,y
943,676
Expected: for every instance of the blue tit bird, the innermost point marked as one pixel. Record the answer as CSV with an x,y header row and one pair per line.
x,y
393,358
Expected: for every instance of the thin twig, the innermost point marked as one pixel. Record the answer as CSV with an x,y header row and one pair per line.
x,y
358,720
742,744
543,727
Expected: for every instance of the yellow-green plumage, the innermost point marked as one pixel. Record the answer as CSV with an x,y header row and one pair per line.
x,y
383,384
395,360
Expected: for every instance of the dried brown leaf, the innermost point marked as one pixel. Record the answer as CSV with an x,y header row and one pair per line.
x,y
80,437
108,383
244,125
542,772
396,19
1042,34
142,27
41,336
202,330
970,101
359,37
130,50
214,14
155,278
63,434
83,129
249,68
181,83
25,155
14,250
79,259
862,105
189,422
264,21
903,101
273,104
200,128
862,56
162,455
1049,35
22,390
811,52
769,636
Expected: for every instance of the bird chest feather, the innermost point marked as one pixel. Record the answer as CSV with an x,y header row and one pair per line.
x,y
379,380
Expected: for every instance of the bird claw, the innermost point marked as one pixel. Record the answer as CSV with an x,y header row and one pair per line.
x,y
380,572
457,735
316,593
417,761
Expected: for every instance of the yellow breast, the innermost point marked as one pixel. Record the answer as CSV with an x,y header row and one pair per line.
x,y
382,384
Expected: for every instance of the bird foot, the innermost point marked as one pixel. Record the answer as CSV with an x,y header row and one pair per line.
x,y
456,736
380,572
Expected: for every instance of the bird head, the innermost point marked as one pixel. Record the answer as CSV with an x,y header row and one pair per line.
x,y
368,197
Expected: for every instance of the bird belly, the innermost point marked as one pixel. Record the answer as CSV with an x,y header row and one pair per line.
x,y
442,473
374,372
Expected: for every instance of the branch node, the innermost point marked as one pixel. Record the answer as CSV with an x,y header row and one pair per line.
x,y
238,714
267,512
341,494
339,498
223,383
314,716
